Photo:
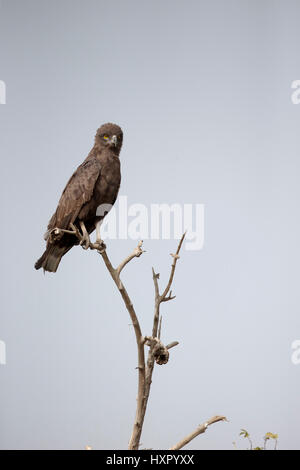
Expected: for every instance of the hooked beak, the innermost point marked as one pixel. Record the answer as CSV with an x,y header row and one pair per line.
x,y
114,140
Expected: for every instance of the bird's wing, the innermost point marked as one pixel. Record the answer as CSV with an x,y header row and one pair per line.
x,y
78,191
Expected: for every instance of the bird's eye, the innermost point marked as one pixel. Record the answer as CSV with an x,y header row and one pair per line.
x,y
105,137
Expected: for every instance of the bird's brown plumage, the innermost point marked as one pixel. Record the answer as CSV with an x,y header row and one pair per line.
x,y
95,182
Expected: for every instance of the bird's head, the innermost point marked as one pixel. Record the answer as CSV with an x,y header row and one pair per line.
x,y
109,136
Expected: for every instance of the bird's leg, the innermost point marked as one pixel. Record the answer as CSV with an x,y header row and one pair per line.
x,y
85,239
57,233
99,244
98,235
82,237
76,231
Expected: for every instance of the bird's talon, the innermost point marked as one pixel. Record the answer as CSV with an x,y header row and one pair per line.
x,y
85,243
99,245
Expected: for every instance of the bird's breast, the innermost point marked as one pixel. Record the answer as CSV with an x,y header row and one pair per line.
x,y
108,183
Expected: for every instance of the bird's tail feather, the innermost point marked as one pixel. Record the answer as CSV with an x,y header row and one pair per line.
x,y
51,257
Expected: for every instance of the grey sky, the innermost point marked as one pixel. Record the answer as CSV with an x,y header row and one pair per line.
x,y
202,90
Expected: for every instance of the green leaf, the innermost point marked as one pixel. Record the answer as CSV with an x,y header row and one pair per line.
x,y
244,433
270,435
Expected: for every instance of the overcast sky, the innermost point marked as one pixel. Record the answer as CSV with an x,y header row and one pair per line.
x,y
202,91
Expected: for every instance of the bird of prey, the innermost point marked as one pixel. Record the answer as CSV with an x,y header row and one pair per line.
x,y
95,183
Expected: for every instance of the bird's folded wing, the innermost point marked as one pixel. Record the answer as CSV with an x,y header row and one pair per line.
x,y
78,191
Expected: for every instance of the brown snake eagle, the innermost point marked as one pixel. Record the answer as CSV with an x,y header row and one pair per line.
x,y
89,194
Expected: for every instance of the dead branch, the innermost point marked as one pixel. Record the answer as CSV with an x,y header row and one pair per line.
x,y
157,352
85,242
156,329
175,258
159,327
171,345
115,274
199,430
135,254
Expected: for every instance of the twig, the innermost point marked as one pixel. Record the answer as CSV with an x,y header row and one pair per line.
x,y
135,254
175,258
159,328
171,345
199,430
156,303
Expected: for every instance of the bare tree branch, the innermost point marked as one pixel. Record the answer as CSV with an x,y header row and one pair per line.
x,y
159,327
156,330
115,274
156,304
171,345
199,430
175,258
135,254
157,352
168,297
